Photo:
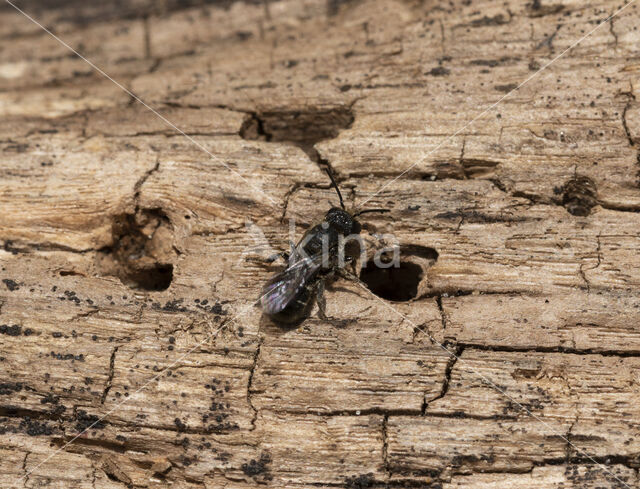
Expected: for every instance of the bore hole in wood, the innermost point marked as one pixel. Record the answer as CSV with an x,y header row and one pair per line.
x,y
393,284
302,127
579,196
404,282
141,250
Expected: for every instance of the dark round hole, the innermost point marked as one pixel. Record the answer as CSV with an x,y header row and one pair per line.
x,y
140,260
393,284
580,195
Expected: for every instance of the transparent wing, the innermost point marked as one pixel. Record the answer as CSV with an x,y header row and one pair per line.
x,y
284,287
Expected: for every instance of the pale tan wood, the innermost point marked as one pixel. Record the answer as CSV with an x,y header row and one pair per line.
x,y
550,476
131,256
600,322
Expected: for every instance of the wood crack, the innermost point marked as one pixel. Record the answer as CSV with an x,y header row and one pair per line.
x,y
548,41
454,357
364,414
552,349
24,469
256,358
630,99
137,188
15,247
612,30
385,446
108,383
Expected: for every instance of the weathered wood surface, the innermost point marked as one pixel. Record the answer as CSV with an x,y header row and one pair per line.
x,y
128,251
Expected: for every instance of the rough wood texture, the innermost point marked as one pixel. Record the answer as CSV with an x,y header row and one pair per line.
x,y
129,253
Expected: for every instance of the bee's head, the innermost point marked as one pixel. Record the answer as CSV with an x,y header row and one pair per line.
x,y
342,222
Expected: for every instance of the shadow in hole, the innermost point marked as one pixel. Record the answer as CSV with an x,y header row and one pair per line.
x,y
393,284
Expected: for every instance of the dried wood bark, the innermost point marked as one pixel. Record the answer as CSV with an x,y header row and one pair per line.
x,y
131,252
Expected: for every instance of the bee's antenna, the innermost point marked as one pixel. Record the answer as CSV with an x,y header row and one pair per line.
x,y
371,210
333,181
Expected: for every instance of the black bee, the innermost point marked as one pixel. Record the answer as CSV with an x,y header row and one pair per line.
x,y
287,298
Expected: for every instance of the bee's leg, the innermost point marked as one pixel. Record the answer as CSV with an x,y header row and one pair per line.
x,y
322,303
348,275
350,260
293,256
284,255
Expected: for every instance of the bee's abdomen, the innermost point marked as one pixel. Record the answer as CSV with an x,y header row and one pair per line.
x,y
297,310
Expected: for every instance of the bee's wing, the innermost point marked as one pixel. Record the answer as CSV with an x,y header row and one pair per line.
x,y
284,287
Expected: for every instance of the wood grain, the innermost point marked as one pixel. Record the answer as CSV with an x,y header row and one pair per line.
x,y
132,253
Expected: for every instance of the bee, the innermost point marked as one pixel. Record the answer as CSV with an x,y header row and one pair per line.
x,y
288,297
